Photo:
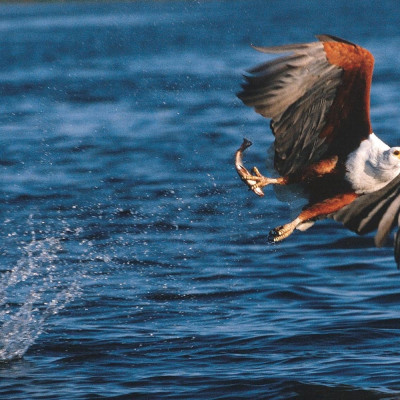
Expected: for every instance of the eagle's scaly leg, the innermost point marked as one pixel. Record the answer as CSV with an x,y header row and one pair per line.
x,y
312,212
255,181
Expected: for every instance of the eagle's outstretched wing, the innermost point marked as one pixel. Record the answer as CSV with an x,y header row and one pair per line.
x,y
317,96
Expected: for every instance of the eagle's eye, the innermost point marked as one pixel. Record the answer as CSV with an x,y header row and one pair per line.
x,y
396,152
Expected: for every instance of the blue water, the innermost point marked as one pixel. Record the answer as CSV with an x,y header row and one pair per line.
x,y
135,264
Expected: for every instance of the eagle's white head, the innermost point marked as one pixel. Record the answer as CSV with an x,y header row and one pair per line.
x,y
373,165
391,158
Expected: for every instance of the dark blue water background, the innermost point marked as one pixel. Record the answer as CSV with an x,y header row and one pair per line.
x,y
134,263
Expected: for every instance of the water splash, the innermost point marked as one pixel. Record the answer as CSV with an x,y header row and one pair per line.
x,y
38,286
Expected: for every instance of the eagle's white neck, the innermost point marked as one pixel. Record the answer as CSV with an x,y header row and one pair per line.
x,y
371,166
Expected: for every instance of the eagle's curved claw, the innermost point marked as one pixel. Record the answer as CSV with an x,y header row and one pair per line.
x,y
282,232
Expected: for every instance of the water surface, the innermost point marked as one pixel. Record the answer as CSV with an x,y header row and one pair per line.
x,y
135,264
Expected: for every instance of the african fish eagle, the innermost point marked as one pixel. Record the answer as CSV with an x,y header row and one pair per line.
x,y
317,96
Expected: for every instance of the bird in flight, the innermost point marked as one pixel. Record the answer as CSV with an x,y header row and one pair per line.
x,y
317,96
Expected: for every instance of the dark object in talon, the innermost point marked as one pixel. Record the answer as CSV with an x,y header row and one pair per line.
x,y
245,144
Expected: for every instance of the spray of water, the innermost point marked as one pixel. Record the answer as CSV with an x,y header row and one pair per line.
x,y
38,286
